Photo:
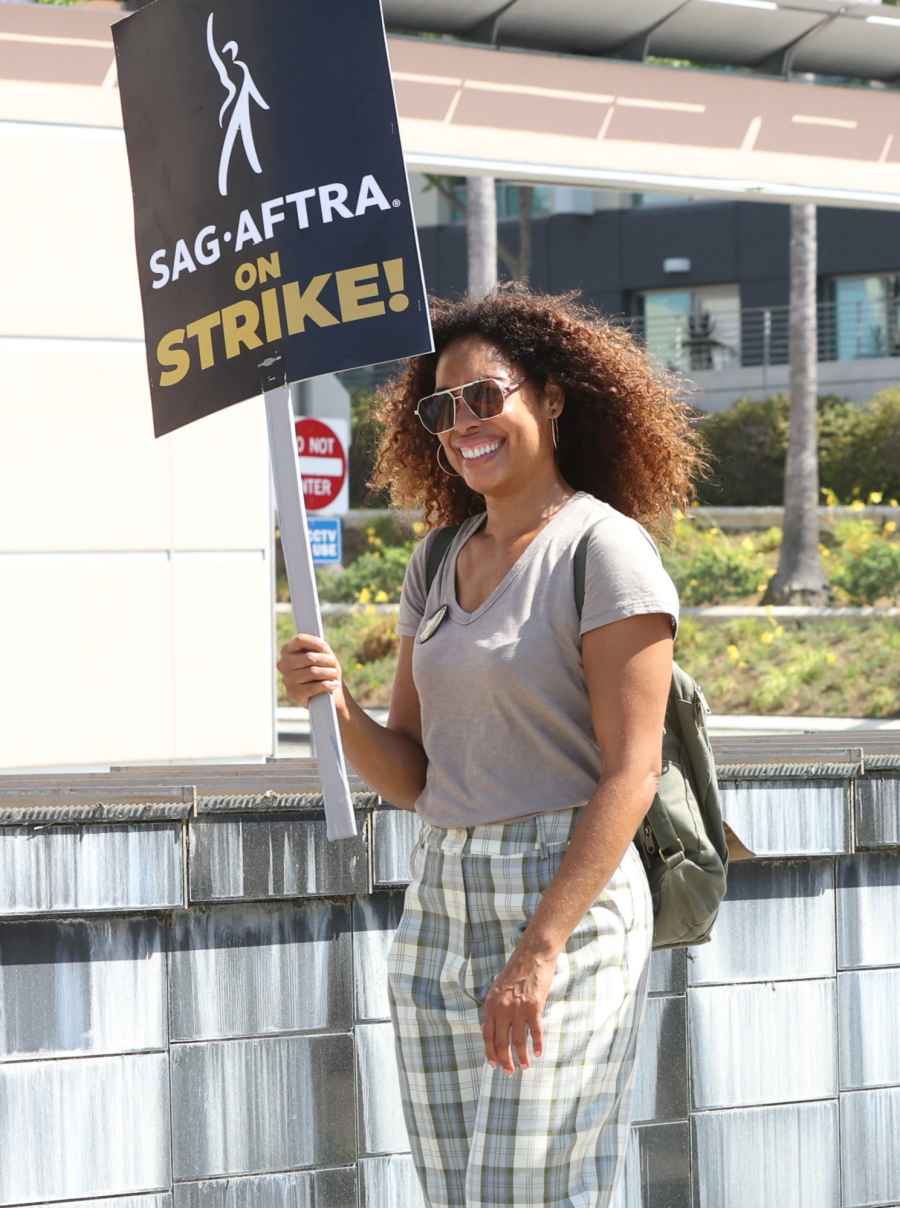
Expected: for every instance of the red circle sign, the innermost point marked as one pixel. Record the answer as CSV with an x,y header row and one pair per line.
x,y
323,462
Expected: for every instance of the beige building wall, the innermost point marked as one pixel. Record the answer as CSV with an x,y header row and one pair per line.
x,y
135,573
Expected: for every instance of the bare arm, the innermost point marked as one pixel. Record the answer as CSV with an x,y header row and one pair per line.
x,y
390,758
628,668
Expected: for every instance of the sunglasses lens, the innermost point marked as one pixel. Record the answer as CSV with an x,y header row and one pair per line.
x,y
437,411
485,398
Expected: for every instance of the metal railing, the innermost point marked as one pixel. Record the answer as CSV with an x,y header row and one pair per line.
x,y
720,338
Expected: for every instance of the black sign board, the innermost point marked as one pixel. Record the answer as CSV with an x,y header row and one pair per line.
x,y
274,230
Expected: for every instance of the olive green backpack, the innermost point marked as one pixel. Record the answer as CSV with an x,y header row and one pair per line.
x,y
682,837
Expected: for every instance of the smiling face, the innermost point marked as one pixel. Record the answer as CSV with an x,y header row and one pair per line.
x,y
510,450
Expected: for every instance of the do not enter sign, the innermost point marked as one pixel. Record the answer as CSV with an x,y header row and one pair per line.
x,y
322,449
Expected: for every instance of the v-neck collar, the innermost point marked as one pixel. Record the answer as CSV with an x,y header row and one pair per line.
x,y
459,614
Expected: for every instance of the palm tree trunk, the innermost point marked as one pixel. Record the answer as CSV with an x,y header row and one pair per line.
x,y
481,235
800,578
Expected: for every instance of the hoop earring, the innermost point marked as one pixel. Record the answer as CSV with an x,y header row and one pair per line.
x,y
449,473
554,427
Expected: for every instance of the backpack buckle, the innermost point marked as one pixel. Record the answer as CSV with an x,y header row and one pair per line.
x,y
672,856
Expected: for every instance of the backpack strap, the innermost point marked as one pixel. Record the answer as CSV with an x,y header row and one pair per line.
x,y
437,552
580,560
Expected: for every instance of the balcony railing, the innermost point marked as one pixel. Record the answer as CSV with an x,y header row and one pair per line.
x,y
759,336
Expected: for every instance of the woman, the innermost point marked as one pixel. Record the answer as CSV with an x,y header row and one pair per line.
x,y
527,741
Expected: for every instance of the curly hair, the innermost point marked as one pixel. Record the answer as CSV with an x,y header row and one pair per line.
x,y
624,434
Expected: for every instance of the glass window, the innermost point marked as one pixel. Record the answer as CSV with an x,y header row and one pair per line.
x,y
695,328
509,201
865,317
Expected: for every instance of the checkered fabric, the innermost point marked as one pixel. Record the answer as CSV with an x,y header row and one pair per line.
x,y
556,1133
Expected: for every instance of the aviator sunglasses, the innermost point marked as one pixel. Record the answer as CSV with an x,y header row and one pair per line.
x,y
484,398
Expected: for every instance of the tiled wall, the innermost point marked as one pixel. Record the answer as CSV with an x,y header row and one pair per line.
x,y
194,1015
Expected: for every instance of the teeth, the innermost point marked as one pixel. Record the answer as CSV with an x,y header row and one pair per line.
x,y
479,451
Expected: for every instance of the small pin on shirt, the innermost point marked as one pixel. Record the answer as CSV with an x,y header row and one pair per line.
x,y
431,625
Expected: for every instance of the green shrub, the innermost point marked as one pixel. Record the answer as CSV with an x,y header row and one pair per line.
x,y
360,539
859,449
864,563
709,568
374,576
871,453
747,443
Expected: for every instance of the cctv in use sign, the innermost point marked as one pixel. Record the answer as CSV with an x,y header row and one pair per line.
x,y
322,450
325,540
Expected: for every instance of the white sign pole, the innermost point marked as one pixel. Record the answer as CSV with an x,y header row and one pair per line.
x,y
339,817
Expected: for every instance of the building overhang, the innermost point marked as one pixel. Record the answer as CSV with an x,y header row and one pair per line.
x,y
539,117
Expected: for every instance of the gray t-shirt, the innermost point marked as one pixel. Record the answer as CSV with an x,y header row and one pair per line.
x,y
506,717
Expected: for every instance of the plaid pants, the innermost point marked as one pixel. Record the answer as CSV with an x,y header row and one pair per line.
x,y
556,1133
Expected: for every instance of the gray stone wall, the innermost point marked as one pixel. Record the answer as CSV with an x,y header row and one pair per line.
x,y
193,1003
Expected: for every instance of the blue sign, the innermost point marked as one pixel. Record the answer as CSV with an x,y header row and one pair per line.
x,y
325,540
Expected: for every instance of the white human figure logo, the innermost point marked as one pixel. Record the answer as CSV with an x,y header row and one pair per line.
x,y
240,120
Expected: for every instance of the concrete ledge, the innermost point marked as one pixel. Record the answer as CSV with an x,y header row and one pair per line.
x,y
294,722
706,612
786,612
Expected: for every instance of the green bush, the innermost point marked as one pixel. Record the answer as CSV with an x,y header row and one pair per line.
x,y
358,539
868,457
859,449
864,563
709,568
376,576
748,443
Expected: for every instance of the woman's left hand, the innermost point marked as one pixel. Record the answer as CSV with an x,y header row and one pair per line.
x,y
515,1003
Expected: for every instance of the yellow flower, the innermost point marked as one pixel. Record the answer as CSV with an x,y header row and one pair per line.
x,y
778,631
894,503
766,637
733,653
761,586
418,528
891,526
857,505
370,531
370,610
359,666
830,657
747,543
875,496
364,596
830,497
824,551
381,597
